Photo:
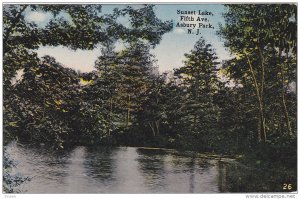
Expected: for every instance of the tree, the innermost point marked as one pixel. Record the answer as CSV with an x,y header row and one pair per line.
x,y
42,104
262,37
152,112
73,26
92,120
200,83
125,78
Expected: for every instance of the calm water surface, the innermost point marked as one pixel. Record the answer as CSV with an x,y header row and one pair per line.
x,y
117,170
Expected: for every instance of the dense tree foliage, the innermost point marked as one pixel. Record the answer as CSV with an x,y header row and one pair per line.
x,y
265,61
198,83
49,99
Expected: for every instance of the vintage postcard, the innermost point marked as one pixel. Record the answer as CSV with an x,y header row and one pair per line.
x,y
150,98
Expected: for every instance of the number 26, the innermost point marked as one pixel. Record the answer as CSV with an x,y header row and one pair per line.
x,y
287,186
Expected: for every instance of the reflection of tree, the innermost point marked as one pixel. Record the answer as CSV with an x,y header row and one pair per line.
x,y
192,175
183,162
42,166
151,165
191,167
99,164
194,166
222,176
50,163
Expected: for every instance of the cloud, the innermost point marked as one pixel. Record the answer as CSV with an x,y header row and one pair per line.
x,y
37,17
179,30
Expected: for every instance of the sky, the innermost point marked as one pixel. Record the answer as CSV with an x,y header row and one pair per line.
x,y
171,49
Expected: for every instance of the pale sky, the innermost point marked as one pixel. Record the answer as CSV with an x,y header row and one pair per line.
x,y
170,51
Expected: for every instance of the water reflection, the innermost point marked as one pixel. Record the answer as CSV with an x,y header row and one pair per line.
x,y
77,174
136,170
222,176
99,164
151,166
192,175
39,164
195,176
112,170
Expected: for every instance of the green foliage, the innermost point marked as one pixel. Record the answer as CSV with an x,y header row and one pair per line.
x,y
49,104
238,177
40,103
198,78
262,38
125,102
90,120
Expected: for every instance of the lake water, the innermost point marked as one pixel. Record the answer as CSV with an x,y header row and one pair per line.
x,y
119,170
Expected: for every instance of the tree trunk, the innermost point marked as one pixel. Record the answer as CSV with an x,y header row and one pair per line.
x,y
259,130
262,128
286,114
128,111
283,98
262,85
157,127
152,128
110,114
